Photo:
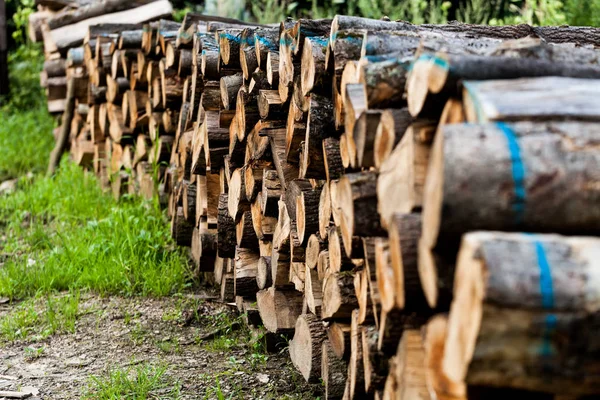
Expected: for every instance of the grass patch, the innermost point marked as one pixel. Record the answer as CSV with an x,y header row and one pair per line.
x,y
38,318
25,125
144,381
65,233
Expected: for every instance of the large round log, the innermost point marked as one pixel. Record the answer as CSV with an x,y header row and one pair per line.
x,y
515,292
356,196
279,309
306,346
517,187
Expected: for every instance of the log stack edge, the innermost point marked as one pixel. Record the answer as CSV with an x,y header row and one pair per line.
x,y
415,206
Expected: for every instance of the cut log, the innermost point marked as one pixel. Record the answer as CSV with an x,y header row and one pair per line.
x,y
517,188
279,309
333,372
358,208
402,176
306,346
313,291
245,272
555,300
226,229
339,298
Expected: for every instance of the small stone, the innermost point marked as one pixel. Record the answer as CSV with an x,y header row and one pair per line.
x,y
263,378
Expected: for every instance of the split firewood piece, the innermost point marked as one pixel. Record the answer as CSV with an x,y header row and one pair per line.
x,y
313,72
386,283
555,299
285,170
226,229
259,81
247,113
306,346
333,372
265,40
402,175
230,86
279,309
161,150
313,291
229,46
115,88
334,167
314,247
237,203
185,64
263,275
323,265
434,343
271,192
245,234
519,99
391,129
384,80
287,67
280,267
354,106
370,276
171,88
364,135
188,196
228,287
245,271
248,61
339,260
410,373
273,68
404,232
339,298
375,362
319,125
356,197
356,371
202,198
324,212
511,155
338,335
211,96
181,228
253,176
361,289
264,226
270,105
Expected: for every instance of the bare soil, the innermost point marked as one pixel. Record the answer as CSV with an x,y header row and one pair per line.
x,y
125,332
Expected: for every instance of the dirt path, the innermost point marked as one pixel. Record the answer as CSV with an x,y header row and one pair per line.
x,y
128,333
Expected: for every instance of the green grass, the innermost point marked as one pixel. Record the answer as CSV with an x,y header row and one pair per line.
x,y
38,318
65,233
25,125
144,381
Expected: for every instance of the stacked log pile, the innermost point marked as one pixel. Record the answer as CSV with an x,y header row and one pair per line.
x,y
362,186
64,27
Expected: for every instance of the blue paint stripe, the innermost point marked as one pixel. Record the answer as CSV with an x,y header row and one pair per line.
x,y
518,172
266,42
546,286
547,293
320,40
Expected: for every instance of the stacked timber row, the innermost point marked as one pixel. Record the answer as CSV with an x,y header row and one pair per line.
x,y
65,28
362,185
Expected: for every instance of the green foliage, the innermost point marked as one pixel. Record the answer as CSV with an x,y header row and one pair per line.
x,y
271,11
79,237
40,317
144,381
20,12
582,12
